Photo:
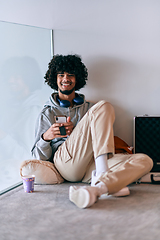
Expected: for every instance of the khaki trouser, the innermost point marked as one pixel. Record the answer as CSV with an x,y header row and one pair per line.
x,y
92,137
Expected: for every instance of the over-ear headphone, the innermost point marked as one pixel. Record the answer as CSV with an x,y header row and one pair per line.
x,y
64,103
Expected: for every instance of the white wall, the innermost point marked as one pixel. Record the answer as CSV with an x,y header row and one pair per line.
x,y
118,40
119,72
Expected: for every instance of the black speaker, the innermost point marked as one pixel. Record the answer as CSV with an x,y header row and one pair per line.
x,y
147,138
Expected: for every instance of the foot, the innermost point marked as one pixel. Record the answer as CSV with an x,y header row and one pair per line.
x,y
121,193
83,197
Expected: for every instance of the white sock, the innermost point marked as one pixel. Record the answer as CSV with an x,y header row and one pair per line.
x,y
102,188
101,163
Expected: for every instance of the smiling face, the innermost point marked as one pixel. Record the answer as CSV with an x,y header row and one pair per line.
x,y
66,82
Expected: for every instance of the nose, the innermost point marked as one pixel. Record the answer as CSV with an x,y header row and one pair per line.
x,y
65,77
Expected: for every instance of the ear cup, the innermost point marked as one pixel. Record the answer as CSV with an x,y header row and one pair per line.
x,y
64,103
78,100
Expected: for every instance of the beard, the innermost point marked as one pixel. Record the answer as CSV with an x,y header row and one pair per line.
x,y
67,92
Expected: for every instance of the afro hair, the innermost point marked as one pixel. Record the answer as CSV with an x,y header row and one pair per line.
x,y
71,64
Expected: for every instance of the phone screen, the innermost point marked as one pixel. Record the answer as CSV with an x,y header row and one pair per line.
x,y
62,130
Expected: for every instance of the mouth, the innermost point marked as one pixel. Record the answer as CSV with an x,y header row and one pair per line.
x,y
65,85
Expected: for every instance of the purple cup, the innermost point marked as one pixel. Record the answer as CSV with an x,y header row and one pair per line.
x,y
28,183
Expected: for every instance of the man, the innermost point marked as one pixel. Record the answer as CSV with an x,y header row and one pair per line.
x,y
88,142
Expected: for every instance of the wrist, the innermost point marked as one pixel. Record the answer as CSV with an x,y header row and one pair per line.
x,y
42,136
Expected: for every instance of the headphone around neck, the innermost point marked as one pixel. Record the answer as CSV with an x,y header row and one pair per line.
x,y
64,103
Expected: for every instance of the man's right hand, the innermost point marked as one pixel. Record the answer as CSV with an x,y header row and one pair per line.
x,y
53,132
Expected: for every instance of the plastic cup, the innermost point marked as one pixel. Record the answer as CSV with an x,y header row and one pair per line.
x,y
28,183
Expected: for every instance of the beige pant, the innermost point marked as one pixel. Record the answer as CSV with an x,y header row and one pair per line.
x,y
93,136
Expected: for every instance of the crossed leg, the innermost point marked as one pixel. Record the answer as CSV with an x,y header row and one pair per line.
x,y
126,170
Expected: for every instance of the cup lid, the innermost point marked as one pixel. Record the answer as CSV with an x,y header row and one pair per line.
x,y
28,176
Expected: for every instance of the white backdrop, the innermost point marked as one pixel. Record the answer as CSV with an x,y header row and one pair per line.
x,y
124,70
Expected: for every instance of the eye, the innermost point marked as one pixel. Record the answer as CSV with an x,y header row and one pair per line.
x,y
71,75
60,75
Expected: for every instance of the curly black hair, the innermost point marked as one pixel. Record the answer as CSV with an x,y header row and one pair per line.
x,y
71,64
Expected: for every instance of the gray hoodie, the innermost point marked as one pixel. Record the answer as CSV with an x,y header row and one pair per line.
x,y
45,150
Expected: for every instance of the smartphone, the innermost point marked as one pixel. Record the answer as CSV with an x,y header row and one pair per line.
x,y
61,119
